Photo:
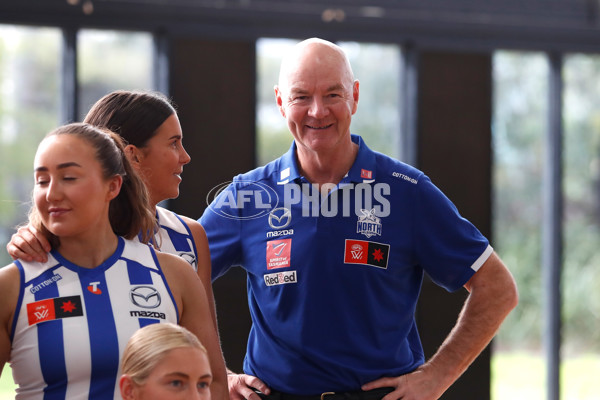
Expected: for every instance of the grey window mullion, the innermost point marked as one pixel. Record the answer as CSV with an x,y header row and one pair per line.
x,y
69,91
409,111
552,244
161,62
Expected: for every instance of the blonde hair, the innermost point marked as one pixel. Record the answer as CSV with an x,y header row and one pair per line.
x,y
148,345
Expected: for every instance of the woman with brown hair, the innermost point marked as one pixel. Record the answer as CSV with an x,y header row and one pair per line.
x,y
66,320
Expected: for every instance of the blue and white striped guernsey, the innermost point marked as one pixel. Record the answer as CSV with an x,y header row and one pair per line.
x,y
73,323
174,237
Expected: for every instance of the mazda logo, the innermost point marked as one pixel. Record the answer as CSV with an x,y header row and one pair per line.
x,y
145,296
280,217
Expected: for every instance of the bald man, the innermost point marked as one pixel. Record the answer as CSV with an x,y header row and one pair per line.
x,y
335,239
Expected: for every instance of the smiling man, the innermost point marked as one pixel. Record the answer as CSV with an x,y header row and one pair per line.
x,y
333,295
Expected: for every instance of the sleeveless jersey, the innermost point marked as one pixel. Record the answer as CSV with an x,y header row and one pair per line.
x,y
71,323
174,237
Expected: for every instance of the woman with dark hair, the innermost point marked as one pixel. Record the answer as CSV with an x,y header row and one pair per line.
x,y
66,320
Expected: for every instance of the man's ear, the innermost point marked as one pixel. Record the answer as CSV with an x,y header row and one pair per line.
x,y
355,92
279,100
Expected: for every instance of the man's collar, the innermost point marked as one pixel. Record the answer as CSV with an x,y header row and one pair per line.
x,y
288,166
362,170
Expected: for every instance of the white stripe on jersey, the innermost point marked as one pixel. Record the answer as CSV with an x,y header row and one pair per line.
x,y
175,237
122,273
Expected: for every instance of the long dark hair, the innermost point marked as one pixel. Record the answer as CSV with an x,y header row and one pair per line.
x,y
129,212
134,115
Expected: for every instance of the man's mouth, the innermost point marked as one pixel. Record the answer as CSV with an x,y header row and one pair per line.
x,y
319,127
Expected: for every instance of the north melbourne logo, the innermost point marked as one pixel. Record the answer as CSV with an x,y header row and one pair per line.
x,y
368,223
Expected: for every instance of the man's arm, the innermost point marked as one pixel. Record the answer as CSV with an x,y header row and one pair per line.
x,y
493,294
241,386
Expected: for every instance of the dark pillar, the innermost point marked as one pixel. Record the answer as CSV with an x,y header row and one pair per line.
x,y
213,86
454,150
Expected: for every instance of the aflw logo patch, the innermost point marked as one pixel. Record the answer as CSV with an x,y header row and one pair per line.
x,y
366,253
51,309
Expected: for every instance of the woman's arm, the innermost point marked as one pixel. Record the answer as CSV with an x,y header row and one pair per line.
x,y
196,316
204,266
9,287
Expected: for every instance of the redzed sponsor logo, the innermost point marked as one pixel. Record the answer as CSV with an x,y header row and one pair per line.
x,y
281,278
279,253
366,253
366,174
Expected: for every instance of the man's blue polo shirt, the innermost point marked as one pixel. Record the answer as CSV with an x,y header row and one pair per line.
x,y
333,280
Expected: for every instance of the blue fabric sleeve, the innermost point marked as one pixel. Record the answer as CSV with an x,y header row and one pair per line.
x,y
221,222
447,245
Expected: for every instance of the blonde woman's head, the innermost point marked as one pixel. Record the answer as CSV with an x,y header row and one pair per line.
x,y
165,361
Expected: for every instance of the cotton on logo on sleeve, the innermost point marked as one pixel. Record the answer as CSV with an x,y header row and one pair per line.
x,y
51,309
366,253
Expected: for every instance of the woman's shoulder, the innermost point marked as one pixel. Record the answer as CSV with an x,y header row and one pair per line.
x,y
9,287
9,274
174,265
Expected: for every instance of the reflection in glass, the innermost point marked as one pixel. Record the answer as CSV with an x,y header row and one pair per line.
x,y
111,60
29,108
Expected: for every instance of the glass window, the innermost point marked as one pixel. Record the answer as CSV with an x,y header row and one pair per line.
x,y
272,136
520,101
29,108
519,125
580,349
377,120
111,60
